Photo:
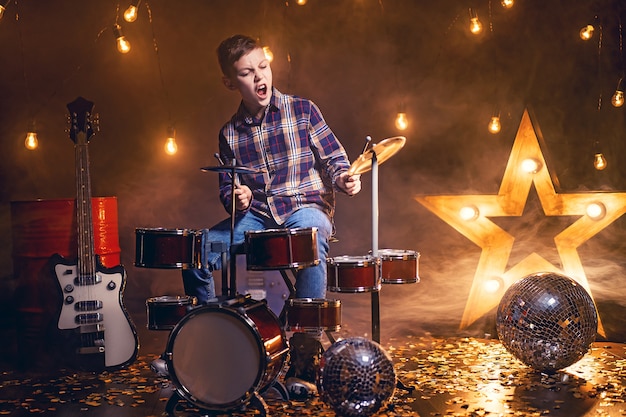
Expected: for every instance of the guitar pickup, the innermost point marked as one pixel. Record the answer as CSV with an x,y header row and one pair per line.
x,y
89,305
88,318
92,328
87,280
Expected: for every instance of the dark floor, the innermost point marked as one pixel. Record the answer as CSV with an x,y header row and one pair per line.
x,y
452,377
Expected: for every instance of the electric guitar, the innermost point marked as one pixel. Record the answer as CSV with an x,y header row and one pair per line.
x,y
97,331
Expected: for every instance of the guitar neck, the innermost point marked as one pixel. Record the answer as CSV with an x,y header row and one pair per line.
x,y
86,252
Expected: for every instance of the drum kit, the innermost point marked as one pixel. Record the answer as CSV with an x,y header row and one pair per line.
x,y
222,356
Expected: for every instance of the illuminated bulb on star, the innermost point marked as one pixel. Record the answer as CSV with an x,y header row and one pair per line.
x,y
507,4
492,285
401,121
530,165
269,55
170,144
468,213
130,15
586,32
31,142
599,162
596,211
494,125
122,44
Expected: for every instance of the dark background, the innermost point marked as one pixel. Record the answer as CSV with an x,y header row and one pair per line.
x,y
361,61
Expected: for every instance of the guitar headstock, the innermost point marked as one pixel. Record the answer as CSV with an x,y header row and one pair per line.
x,y
81,120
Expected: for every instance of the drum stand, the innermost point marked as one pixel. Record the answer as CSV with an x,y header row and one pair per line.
x,y
257,402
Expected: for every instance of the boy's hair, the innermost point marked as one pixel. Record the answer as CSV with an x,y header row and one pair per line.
x,y
233,48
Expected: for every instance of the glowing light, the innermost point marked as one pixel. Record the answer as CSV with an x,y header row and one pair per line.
x,y
618,98
31,142
599,162
586,32
468,213
476,26
2,9
301,2
492,285
531,165
122,44
507,4
170,144
269,55
494,125
596,211
401,121
130,15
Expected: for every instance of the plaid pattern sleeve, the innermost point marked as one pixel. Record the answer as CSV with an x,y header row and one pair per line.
x,y
296,152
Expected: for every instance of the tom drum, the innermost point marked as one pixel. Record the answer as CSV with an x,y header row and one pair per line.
x,y
312,314
281,248
399,266
167,248
353,274
164,312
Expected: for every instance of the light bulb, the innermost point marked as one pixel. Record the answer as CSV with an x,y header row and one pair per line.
x,y
301,2
507,4
130,15
2,9
269,55
586,32
170,144
596,211
531,165
401,121
494,125
31,142
469,213
475,26
599,162
122,44
618,98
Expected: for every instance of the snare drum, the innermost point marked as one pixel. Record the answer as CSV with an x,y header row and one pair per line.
x,y
166,311
353,274
281,248
399,266
312,314
219,356
167,248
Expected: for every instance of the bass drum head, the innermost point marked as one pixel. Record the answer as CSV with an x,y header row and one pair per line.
x,y
214,358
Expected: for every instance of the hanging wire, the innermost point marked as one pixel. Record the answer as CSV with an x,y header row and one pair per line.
x,y
23,57
600,65
158,58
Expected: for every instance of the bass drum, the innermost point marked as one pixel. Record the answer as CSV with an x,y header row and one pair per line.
x,y
219,356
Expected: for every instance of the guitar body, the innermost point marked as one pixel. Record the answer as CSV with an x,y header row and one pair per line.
x,y
98,331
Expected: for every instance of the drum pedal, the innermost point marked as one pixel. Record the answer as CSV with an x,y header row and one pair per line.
x,y
159,367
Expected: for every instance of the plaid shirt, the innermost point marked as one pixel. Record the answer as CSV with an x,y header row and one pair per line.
x,y
298,155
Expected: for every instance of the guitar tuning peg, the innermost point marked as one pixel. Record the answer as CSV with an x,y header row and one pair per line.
x,y
96,122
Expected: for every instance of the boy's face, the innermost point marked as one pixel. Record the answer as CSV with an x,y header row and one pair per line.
x,y
252,76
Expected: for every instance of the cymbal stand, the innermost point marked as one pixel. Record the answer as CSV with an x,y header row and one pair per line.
x,y
375,302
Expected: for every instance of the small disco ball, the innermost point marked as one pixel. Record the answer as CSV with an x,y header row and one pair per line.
x,y
547,320
356,377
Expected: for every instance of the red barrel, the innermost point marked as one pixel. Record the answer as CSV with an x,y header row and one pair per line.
x,y
40,229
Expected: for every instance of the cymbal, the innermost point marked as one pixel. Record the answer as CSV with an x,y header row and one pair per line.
x,y
237,169
383,150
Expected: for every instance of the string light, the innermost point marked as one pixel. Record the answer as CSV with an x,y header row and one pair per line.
x,y
269,55
618,97
599,161
31,143
586,32
170,143
476,27
402,123
130,15
494,125
507,4
122,44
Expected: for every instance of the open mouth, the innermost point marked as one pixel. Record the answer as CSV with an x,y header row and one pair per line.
x,y
262,90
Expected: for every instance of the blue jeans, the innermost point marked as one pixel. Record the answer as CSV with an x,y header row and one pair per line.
x,y
310,282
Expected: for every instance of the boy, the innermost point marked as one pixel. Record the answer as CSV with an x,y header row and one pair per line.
x,y
300,162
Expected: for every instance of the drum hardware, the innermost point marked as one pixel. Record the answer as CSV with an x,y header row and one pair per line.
x,y
223,356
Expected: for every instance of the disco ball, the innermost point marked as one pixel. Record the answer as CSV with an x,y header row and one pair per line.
x,y
547,320
356,377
